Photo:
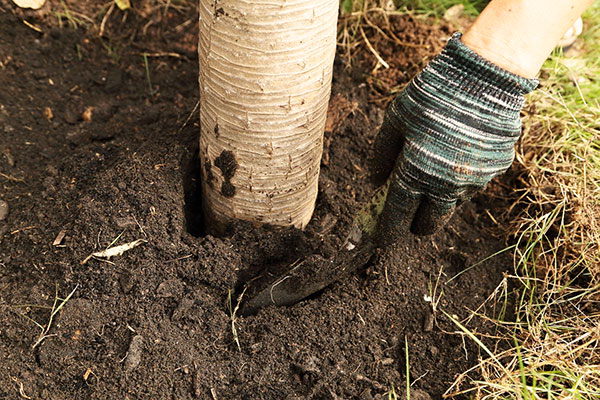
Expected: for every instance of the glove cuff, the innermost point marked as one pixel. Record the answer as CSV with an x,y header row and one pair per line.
x,y
461,64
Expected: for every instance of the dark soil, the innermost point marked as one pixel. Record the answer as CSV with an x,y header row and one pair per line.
x,y
93,150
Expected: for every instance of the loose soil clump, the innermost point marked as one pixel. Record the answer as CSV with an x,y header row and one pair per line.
x,y
97,151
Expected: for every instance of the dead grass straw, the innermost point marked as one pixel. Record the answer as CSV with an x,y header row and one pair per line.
x,y
554,219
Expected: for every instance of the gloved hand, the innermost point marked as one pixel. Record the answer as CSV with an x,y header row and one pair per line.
x,y
446,136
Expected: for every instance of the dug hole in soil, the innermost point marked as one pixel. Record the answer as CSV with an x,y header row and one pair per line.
x,y
96,151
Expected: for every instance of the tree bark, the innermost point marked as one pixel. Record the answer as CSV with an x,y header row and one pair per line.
x,y
265,79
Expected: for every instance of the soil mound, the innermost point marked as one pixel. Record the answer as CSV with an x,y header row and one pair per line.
x,y
95,150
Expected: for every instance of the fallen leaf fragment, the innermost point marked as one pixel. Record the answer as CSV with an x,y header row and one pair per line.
x,y
59,237
115,251
87,114
123,4
3,210
48,113
34,4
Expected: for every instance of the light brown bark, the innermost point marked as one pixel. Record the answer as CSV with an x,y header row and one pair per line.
x,y
265,79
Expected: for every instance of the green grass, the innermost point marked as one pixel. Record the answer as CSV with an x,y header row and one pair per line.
x,y
433,8
147,67
437,8
407,366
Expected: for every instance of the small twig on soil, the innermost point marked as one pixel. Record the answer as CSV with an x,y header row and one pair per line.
x,y
12,178
163,54
179,258
105,18
420,377
189,117
23,229
182,26
87,374
32,26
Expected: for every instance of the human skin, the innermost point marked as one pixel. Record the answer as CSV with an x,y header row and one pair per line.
x,y
518,35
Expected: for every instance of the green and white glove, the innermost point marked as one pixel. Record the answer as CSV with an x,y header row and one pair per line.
x,y
445,137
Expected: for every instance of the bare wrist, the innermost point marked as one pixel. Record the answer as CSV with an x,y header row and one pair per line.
x,y
501,53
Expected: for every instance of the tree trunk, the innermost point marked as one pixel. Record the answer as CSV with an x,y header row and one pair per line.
x,y
265,80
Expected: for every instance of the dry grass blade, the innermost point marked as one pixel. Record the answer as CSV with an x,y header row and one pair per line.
x,y
56,307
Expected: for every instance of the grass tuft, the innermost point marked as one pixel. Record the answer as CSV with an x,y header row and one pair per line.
x,y
555,333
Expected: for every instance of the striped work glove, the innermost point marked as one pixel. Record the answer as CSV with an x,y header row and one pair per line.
x,y
446,136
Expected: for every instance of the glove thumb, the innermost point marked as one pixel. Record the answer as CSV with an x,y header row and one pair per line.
x,y
387,146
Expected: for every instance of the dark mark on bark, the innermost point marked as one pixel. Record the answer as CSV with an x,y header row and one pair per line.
x,y
227,189
217,131
210,177
228,165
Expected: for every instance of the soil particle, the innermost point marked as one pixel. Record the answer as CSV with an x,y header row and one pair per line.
x,y
114,80
428,321
183,308
170,288
415,394
126,281
3,210
134,354
3,231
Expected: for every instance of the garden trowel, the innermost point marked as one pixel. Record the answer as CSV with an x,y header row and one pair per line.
x,y
315,272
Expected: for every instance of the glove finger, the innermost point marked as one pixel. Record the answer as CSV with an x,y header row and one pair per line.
x,y
398,213
430,216
387,146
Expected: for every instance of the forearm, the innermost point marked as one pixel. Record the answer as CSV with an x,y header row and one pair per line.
x,y
518,35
